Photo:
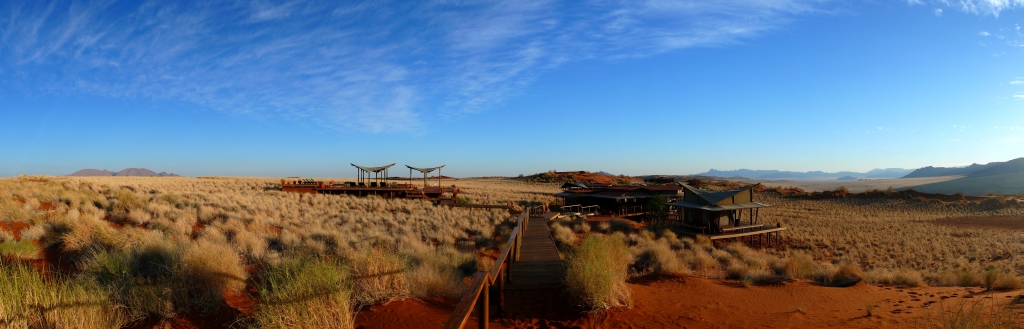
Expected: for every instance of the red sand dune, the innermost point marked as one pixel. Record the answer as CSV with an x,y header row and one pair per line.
x,y
689,302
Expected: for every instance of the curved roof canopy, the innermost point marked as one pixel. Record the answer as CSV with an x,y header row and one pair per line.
x,y
425,170
372,169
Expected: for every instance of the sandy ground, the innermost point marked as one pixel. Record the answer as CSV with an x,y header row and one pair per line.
x,y
855,186
693,302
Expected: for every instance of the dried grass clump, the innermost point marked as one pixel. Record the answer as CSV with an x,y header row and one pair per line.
x,y
144,280
33,233
305,292
210,269
123,203
437,271
380,275
995,279
899,277
657,257
28,300
979,314
596,273
563,235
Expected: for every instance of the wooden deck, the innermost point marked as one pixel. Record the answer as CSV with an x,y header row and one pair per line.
x,y
731,235
540,264
761,235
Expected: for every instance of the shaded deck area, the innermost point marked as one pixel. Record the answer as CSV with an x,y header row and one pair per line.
x,y
755,234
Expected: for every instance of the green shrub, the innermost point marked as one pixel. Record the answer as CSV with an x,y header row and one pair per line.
x,y
305,293
19,249
596,273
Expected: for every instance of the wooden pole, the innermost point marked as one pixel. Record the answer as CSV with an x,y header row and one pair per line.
x,y
484,306
501,292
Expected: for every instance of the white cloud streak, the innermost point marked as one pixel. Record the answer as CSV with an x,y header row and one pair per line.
x,y
369,66
983,7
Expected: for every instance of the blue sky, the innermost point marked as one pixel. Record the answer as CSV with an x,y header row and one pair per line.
x,y
257,88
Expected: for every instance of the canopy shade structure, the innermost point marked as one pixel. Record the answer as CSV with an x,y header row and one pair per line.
x,y
373,169
426,171
380,174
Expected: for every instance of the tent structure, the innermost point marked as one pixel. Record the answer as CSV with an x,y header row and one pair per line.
x,y
380,174
425,172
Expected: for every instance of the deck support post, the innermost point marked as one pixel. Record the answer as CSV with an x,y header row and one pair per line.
x,y
484,306
501,294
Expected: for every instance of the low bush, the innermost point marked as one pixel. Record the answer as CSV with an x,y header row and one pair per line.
x,y
596,273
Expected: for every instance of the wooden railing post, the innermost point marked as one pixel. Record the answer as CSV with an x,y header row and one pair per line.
x,y
519,243
501,293
484,306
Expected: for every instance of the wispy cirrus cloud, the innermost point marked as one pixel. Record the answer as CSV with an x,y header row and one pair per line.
x,y
373,66
978,7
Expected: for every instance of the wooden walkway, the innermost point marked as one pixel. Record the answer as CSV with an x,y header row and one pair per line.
x,y
539,265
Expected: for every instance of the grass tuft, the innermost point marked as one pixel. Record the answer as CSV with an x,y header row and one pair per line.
x,y
305,293
28,300
380,275
596,274
19,249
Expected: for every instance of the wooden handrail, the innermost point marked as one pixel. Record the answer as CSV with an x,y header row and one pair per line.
x,y
477,295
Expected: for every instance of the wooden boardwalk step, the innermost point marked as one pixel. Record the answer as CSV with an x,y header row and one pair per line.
x,y
540,264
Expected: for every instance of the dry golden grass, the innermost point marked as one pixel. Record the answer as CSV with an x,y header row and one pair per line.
x,y
201,234
163,246
895,234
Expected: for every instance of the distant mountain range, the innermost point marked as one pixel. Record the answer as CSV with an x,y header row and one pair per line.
x,y
777,174
974,170
127,172
993,177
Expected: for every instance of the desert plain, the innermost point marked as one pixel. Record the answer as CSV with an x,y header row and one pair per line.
x,y
233,252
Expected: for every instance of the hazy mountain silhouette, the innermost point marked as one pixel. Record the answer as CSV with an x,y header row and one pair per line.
x,y
127,172
992,168
993,177
92,172
778,174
